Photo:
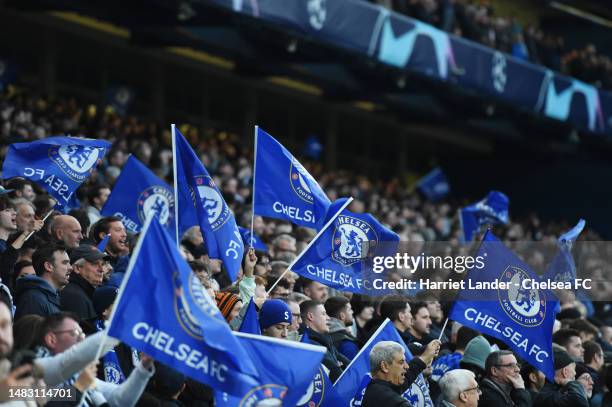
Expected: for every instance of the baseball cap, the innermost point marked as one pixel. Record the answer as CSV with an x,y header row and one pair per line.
x,y
87,252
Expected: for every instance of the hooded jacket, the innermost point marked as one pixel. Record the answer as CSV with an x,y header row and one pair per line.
x,y
34,295
344,342
77,296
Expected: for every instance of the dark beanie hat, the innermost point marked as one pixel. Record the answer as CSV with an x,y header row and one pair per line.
x,y
274,312
226,302
103,298
581,369
562,359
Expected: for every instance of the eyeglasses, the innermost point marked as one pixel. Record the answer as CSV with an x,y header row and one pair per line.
x,y
477,388
75,333
510,365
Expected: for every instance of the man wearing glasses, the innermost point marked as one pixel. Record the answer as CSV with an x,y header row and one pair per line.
x,y
459,389
503,384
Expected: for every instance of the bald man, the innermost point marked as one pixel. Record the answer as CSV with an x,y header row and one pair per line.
x,y
67,229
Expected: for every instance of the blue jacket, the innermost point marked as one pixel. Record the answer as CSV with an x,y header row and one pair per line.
x,y
34,295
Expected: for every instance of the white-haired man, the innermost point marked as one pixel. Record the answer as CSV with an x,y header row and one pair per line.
x,y
459,389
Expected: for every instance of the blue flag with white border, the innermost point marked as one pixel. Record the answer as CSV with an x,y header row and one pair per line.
x,y
58,164
283,188
254,240
201,203
434,185
491,210
514,311
351,385
138,191
341,255
285,368
164,311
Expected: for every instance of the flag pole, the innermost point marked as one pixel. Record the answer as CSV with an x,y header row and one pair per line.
x,y
253,200
329,222
176,197
43,219
124,282
443,328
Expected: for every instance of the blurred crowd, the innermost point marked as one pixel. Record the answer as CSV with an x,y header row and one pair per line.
x,y
58,288
476,20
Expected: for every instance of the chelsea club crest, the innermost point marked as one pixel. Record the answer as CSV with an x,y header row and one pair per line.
x,y
158,199
182,307
416,394
265,395
315,393
214,206
353,240
526,307
76,161
299,178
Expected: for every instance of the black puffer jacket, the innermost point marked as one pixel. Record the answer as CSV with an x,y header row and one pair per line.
x,y
553,395
494,396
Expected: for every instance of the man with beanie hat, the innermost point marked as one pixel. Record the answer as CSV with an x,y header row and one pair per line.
x,y
565,391
476,353
275,319
229,304
503,385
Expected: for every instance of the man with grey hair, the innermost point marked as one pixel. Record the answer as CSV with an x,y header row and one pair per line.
x,y
392,376
459,389
67,229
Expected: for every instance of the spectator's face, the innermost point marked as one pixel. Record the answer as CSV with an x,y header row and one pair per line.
x,y
28,193
507,367
575,349
471,394
348,315
317,291
26,271
118,239
435,310
367,313
296,317
405,317
587,384
6,331
422,321
69,232
25,217
279,331
280,292
396,369
8,219
235,310
102,197
92,272
319,320
60,269
67,334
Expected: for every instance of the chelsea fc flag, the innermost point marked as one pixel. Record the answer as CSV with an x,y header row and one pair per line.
x,y
58,164
163,310
137,192
503,299
200,203
282,188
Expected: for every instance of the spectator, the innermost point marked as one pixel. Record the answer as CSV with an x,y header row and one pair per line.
x,y
459,389
96,198
565,391
275,319
296,319
476,353
25,215
533,378
117,246
8,220
315,290
570,340
67,229
21,188
341,319
229,304
281,290
593,364
397,309
421,323
451,361
503,384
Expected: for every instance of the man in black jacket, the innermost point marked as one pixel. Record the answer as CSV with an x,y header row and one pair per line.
x,y
392,376
566,391
503,385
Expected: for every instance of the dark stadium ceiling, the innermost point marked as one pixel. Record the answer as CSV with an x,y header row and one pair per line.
x,y
257,51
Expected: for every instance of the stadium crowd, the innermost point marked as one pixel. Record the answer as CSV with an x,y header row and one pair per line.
x,y
58,289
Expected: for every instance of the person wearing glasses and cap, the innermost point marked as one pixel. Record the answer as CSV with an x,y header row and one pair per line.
x,y
503,384
459,389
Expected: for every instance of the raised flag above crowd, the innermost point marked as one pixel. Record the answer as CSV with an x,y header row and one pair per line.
x,y
434,185
283,188
252,240
491,210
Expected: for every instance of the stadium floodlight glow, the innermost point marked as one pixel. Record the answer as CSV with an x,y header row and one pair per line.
x,y
401,82
292,46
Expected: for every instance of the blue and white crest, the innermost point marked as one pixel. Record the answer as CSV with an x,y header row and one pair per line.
x,y
265,395
316,391
182,309
526,307
351,237
300,178
111,373
76,161
418,394
213,203
159,199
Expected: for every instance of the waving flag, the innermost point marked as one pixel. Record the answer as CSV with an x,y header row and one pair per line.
x,y
282,188
250,322
514,311
491,210
252,240
137,192
434,185
163,310
341,254
200,203
58,164
351,385
279,381
103,243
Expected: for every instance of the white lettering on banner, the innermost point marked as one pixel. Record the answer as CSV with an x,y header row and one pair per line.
x,y
234,246
182,352
507,332
332,276
127,222
293,212
30,172
56,184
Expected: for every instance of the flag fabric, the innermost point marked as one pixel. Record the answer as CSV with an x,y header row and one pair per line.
x,y
119,98
313,147
500,300
351,385
254,240
563,268
282,188
163,310
200,203
58,164
250,322
285,368
103,243
320,392
341,256
138,191
491,210
434,185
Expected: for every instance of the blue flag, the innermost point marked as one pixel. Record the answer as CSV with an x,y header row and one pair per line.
x,y
120,98
500,300
255,240
434,185
200,203
563,268
58,164
138,191
313,147
103,243
285,368
351,385
250,322
164,311
320,392
491,210
341,255
282,188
